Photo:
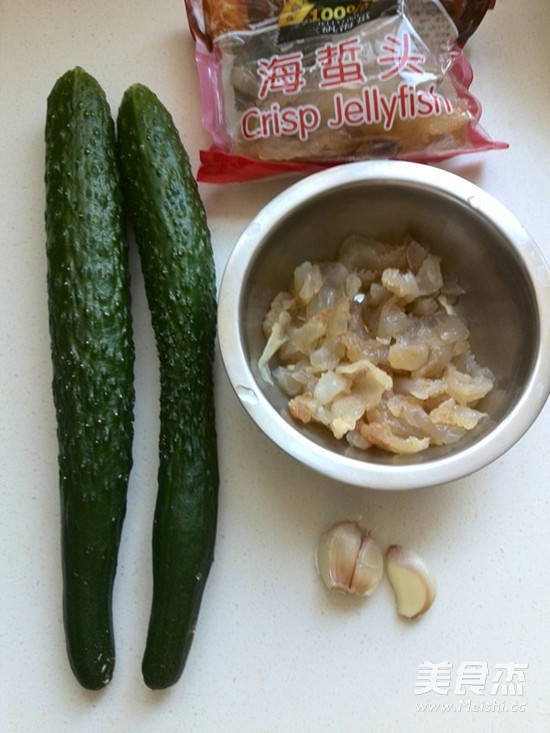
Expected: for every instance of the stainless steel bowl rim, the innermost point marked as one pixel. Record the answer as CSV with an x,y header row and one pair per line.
x,y
290,439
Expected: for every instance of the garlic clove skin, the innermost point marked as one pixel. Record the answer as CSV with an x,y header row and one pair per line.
x,y
412,580
350,560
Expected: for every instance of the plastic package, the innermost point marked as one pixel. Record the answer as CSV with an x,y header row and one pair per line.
x,y
292,85
467,15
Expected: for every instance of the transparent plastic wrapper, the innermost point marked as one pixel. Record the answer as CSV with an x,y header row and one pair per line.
x,y
294,86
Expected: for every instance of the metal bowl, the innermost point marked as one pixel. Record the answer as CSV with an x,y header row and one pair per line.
x,y
506,305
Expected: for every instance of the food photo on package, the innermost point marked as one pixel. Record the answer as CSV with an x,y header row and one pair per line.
x,y
296,86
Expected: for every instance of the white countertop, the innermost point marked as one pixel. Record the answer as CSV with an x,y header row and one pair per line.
x,y
273,652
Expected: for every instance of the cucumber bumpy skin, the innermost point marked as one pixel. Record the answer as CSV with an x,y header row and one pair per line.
x,y
177,262
92,358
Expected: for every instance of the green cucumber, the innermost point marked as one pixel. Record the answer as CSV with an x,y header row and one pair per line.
x,y
92,358
177,262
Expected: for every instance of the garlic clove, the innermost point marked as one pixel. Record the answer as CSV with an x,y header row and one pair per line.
x,y
412,580
337,553
369,567
350,560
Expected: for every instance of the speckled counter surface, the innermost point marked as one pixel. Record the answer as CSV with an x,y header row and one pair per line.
x,y
273,652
